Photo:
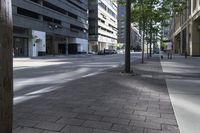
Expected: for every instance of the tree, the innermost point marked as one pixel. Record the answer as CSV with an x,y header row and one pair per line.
x,y
6,78
151,15
128,38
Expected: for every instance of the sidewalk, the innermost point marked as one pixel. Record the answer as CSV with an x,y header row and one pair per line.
x,y
183,81
110,102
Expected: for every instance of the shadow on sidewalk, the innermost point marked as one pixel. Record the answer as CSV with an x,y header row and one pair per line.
x,y
110,101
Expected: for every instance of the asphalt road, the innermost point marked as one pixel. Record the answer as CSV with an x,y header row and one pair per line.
x,y
41,75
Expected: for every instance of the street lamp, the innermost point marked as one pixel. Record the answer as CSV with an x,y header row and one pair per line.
x,y
52,27
6,69
128,33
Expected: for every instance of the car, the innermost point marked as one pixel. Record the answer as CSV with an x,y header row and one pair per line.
x,y
107,51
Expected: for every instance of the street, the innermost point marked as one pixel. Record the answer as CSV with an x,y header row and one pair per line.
x,y
39,75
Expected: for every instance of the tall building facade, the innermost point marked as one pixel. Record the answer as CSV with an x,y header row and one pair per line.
x,y
135,35
121,23
50,27
185,30
102,25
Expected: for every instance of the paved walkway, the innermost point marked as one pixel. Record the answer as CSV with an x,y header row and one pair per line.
x,y
110,102
183,81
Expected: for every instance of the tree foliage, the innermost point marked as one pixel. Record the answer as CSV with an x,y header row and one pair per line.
x,y
151,15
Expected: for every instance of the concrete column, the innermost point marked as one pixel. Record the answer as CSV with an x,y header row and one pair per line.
x,y
54,51
6,68
188,38
41,3
181,42
195,39
67,42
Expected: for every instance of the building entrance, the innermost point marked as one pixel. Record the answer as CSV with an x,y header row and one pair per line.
x,y
20,47
62,48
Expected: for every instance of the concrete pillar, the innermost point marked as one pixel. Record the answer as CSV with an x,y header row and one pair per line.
x,y
67,42
188,37
195,39
181,42
6,68
177,44
41,3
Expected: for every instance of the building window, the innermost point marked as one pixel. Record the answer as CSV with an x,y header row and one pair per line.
x,y
194,4
72,15
49,19
189,7
27,13
53,7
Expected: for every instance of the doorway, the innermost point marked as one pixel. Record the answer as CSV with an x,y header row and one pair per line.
x,y
20,47
62,48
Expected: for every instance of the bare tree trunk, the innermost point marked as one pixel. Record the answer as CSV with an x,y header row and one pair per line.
x,y
128,39
143,29
6,74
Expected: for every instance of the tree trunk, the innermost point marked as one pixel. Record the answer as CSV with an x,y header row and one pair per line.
x,y
143,29
6,69
150,41
128,39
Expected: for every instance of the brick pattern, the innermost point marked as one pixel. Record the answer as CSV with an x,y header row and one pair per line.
x,y
106,103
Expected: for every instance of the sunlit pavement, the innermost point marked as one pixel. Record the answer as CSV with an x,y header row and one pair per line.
x,y
86,96
44,73
183,82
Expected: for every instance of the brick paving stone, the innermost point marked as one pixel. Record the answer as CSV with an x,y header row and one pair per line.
x,y
162,120
46,118
155,105
166,107
144,113
89,117
25,123
104,113
168,116
150,108
127,129
99,125
26,130
19,115
66,114
157,110
158,131
50,126
47,131
172,128
99,108
126,111
116,120
76,129
132,117
137,107
83,110
71,121
103,131
151,125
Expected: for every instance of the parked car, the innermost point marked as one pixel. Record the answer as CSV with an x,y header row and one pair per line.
x,y
107,51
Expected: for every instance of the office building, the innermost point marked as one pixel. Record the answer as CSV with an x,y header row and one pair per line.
x,y
102,25
135,35
50,27
185,30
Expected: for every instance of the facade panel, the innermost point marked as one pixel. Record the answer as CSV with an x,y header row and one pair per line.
x,y
102,25
60,20
185,30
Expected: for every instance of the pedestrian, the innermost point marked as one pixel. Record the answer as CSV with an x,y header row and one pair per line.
x,y
185,54
169,50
